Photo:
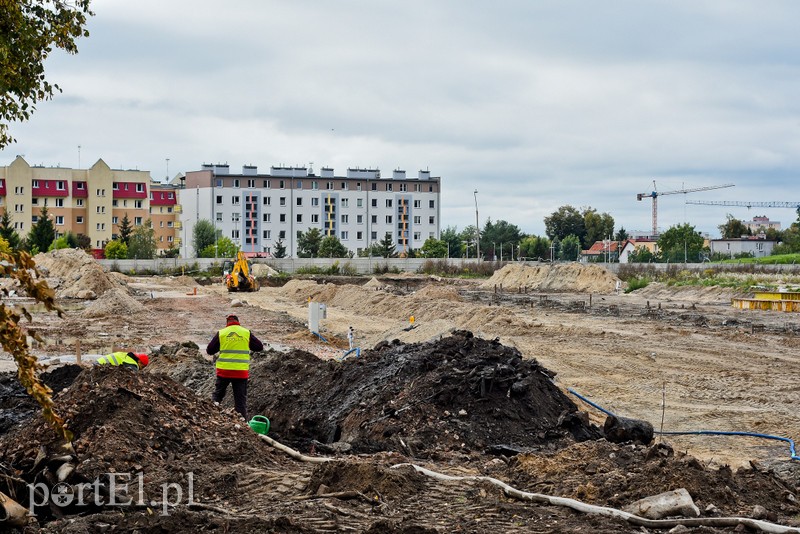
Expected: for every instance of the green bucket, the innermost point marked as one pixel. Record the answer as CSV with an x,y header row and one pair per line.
x,y
259,424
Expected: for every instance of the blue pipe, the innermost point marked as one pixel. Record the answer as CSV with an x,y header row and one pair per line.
x,y
699,432
319,336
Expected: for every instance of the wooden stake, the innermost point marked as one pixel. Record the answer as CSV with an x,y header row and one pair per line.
x,y
78,352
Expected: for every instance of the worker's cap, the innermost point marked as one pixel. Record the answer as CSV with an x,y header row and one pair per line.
x,y
231,317
142,358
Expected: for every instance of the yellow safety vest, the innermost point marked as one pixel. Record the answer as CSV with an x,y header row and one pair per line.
x,y
234,348
118,358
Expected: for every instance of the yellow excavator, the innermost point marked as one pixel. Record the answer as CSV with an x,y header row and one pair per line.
x,y
238,275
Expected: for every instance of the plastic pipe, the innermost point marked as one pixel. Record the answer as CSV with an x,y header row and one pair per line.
x,y
700,432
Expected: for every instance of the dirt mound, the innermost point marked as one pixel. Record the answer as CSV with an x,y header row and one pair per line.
x,y
116,301
569,277
128,422
74,274
659,290
368,478
16,406
460,392
262,269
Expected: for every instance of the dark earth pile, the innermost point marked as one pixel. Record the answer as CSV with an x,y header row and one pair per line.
x,y
458,393
16,406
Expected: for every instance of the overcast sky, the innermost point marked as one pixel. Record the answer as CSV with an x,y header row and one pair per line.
x,y
536,104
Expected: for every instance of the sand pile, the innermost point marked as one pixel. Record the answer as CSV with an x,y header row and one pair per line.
x,y
661,291
113,302
262,269
74,274
569,277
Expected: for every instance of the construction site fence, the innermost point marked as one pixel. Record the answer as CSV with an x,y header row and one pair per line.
x,y
380,265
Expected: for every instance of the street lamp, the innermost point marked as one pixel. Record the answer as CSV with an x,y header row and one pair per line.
x,y
477,229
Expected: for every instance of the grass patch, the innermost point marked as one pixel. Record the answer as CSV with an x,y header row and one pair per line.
x,y
778,259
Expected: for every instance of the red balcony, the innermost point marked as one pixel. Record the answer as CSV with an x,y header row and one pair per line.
x,y
2,188
162,198
80,190
49,188
129,190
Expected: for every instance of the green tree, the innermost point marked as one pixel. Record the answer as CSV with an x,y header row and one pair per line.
x,y
642,255
204,234
170,252
621,235
499,238
125,230
142,242
453,241
679,243
733,228
386,247
534,247
308,243
223,248
59,243
331,247
31,29
7,231
434,248
279,250
598,226
563,222
467,238
43,233
84,242
116,250
570,248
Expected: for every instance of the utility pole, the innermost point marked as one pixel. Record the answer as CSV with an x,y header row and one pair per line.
x,y
477,229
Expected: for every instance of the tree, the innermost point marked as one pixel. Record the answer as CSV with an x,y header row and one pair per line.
x,y
84,242
499,238
279,250
142,242
5,248
386,247
467,237
621,235
598,226
31,29
331,247
570,248
7,231
642,255
116,250
308,243
679,243
563,222
451,238
204,234
434,248
43,233
125,230
534,247
733,228
170,252
223,248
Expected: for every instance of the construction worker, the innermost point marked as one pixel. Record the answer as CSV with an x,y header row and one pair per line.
x,y
234,344
130,360
351,337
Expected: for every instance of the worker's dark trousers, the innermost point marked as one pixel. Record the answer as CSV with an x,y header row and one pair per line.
x,y
239,386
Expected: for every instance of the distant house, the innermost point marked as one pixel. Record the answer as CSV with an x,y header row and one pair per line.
x,y
603,251
757,246
761,223
632,245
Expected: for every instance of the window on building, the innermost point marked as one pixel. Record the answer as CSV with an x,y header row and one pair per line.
x,y
359,219
219,199
388,219
235,200
79,219
299,184
417,219
79,202
344,236
388,202
314,185
236,182
267,217
171,196
388,187
115,186
329,185
101,192
315,201
359,235
359,203
417,188
114,220
61,185
315,218
169,209
374,202
299,201
251,183
358,186
140,188
169,239
234,234
137,221
374,236
374,186
267,201
267,234
59,219
282,184
161,224
81,186
344,186
138,204
34,219
403,187
431,219
345,219
431,204
282,218
374,219
169,224
236,217
299,234
219,182
282,201
299,217
34,201
115,203
100,209
282,234
124,203
19,207
417,203
219,217
430,188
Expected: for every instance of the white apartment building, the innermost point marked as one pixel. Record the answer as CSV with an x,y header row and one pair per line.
x,y
257,210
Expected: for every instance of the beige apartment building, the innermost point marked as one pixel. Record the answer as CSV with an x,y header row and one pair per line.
x,y
90,202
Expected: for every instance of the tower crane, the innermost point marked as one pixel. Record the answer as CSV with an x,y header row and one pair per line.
x,y
655,194
776,204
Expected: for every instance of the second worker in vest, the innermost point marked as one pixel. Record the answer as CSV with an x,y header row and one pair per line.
x,y
234,344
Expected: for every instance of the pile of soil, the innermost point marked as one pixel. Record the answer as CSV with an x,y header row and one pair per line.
x,y
74,274
570,277
457,393
116,301
128,422
17,407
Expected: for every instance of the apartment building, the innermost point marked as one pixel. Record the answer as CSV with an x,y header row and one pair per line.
x,y
257,210
90,201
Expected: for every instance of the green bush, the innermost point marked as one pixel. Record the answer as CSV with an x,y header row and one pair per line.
x,y
636,283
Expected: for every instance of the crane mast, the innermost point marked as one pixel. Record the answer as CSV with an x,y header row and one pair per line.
x,y
654,194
